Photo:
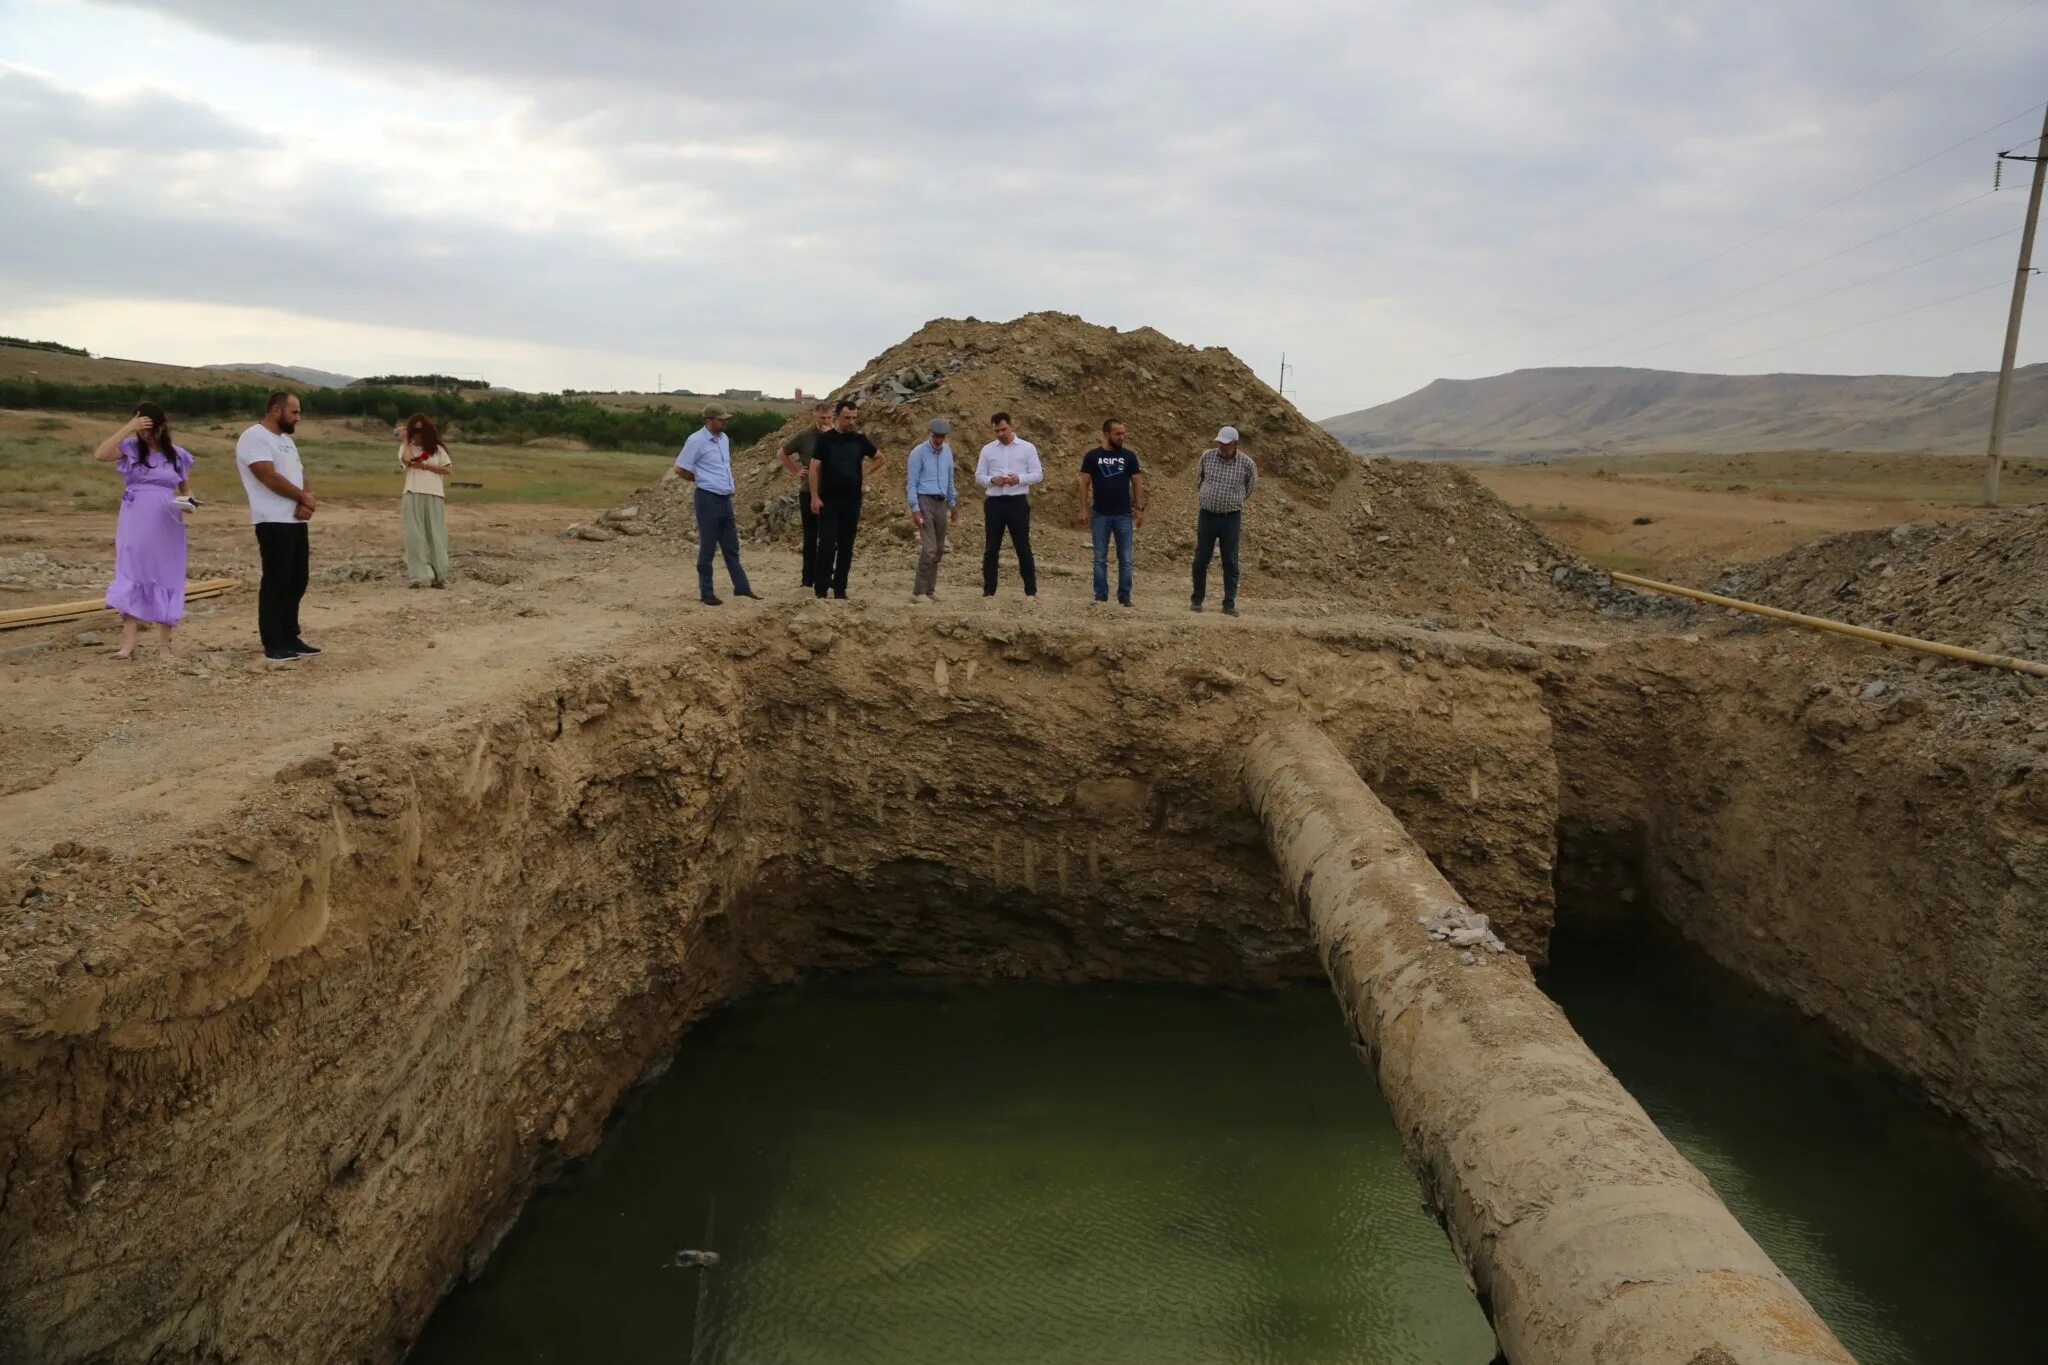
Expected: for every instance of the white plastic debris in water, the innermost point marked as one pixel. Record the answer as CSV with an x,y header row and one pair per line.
x,y
694,1260
1463,929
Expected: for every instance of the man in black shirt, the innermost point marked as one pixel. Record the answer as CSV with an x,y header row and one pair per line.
x,y
839,461
1113,486
795,454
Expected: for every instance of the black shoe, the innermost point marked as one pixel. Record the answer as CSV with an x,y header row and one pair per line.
x,y
750,593
839,596
1123,601
1105,599
712,600
279,656
1194,606
1230,608
301,647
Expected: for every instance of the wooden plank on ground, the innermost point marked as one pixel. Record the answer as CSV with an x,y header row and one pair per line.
x,y
57,612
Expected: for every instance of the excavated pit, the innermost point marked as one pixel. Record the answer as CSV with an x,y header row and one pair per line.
x,y
333,1056
274,1107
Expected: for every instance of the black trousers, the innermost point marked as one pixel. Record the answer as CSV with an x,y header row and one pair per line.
x,y
803,505
836,527
1010,513
1214,530
287,563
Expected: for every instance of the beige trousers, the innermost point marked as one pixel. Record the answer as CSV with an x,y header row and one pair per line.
x,y
931,544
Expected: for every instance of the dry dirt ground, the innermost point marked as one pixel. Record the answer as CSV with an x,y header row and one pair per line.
x,y
309,973
1689,518
93,742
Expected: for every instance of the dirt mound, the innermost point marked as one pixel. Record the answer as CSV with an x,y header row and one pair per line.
x,y
1394,534
1982,584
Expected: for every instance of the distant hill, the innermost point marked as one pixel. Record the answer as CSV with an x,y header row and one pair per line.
x,y
1623,411
304,374
71,367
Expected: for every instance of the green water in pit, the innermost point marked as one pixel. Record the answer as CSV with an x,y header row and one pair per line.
x,y
987,1174
1909,1249
1012,1173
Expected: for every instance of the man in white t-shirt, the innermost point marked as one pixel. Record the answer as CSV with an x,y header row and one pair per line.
x,y
280,504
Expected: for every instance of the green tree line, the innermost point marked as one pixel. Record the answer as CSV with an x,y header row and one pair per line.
x,y
423,381
57,346
504,418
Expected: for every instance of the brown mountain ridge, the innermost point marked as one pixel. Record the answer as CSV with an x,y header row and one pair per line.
x,y
1608,410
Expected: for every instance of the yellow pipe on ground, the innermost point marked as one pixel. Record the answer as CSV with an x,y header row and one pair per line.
x,y
1882,637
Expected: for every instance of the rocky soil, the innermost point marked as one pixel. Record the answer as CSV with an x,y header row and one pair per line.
x,y
1982,583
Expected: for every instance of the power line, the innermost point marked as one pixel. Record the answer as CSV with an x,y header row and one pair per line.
x,y
1902,82
1754,238
1867,322
1762,284
1830,293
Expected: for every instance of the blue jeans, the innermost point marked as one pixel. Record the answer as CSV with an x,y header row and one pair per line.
x,y
717,530
1103,528
1213,531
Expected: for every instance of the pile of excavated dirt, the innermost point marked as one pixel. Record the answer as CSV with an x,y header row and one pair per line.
x,y
1982,584
1392,534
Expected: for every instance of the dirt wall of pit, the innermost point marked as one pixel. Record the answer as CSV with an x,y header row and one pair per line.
x,y
268,1095
1877,859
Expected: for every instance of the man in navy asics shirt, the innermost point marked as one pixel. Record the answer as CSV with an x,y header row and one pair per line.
x,y
1112,503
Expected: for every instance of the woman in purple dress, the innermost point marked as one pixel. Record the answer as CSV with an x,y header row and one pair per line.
x,y
149,540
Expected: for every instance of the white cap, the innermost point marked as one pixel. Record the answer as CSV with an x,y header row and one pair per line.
x,y
1227,436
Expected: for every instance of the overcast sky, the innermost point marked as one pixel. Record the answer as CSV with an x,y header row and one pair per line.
x,y
767,194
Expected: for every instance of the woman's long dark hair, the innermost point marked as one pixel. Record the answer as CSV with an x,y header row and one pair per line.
x,y
419,428
161,438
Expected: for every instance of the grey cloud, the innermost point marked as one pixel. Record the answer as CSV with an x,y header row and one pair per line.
x,y
38,114
1453,172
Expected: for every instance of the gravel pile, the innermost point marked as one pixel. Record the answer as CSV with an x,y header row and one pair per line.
x,y
1468,931
1982,584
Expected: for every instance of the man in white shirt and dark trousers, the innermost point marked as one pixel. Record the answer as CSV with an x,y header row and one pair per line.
x,y
280,504
1006,471
1224,480
706,461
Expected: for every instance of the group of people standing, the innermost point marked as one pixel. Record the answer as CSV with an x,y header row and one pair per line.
x,y
833,459
150,541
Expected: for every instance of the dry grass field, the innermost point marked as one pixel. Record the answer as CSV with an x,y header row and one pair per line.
x,y
46,465
689,402
1687,516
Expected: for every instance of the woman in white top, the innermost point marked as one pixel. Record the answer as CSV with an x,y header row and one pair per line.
x,y
427,465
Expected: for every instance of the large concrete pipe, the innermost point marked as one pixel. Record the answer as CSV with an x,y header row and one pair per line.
x,y
1590,1240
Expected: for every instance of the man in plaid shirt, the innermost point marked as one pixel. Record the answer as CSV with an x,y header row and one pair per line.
x,y
1224,480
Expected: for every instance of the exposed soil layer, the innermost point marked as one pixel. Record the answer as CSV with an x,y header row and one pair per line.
x,y
1878,858
270,1089
308,976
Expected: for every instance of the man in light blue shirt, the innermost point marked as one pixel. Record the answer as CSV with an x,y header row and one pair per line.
x,y
706,461
928,485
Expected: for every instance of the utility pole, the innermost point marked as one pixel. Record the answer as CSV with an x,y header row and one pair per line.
x,y
1282,390
2000,403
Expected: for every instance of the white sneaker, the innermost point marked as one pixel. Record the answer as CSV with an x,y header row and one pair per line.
x,y
918,599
